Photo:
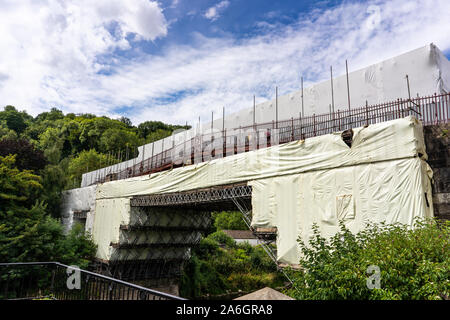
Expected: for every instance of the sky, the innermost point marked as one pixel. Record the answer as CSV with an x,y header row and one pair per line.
x,y
177,60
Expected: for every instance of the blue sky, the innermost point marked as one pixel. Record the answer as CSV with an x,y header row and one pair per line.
x,y
175,60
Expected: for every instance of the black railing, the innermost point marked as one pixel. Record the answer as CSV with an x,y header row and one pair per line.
x,y
54,280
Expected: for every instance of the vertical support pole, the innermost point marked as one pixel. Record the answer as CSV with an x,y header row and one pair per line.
x,y
367,113
276,106
339,120
224,135
348,85
254,112
225,142
332,90
292,129
141,167
436,109
184,148
212,134
301,126
162,152
151,159
409,91
303,109
134,161
314,123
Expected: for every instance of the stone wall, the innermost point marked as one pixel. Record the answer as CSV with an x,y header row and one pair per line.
x,y
438,149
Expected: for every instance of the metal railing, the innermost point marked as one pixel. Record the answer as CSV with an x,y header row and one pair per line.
x,y
432,109
50,280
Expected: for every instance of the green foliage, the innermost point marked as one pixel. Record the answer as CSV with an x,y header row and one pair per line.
x,y
220,266
14,119
27,156
155,130
17,188
157,135
27,232
54,179
5,132
119,139
60,148
229,220
40,157
414,263
84,162
221,238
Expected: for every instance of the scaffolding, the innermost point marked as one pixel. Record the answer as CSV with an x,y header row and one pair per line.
x,y
432,109
237,195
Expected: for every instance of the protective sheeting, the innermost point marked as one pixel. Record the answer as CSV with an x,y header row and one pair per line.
x,y
81,199
390,191
427,68
385,141
383,176
109,215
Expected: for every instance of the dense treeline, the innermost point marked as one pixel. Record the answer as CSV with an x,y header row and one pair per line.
x,y
43,155
61,147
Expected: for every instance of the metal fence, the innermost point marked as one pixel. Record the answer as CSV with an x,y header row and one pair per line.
x,y
51,280
432,109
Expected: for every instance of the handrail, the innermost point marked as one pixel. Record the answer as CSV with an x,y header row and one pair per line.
x,y
118,281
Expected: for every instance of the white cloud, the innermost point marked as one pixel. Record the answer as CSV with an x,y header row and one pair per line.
x,y
54,60
47,48
213,13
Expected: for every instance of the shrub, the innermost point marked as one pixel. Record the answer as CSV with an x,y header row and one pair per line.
x,y
414,263
222,238
229,220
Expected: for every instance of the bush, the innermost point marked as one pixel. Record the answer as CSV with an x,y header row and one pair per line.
x,y
217,270
229,220
414,263
222,238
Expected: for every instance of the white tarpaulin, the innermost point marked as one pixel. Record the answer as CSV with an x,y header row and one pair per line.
x,y
383,176
391,140
390,191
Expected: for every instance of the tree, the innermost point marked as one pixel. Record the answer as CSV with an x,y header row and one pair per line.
x,y
14,119
5,132
28,157
27,232
229,220
20,213
155,130
86,161
52,115
126,121
52,142
54,179
157,135
119,139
